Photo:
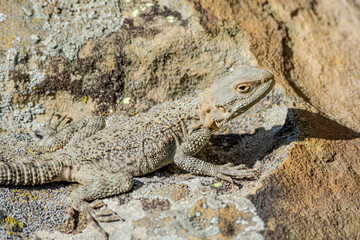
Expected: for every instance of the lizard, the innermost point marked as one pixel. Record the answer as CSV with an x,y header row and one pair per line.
x,y
106,163
50,138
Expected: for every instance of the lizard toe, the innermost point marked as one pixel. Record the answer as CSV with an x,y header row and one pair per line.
x,y
239,172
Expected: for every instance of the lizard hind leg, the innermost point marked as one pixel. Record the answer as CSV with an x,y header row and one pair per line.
x,y
86,128
97,184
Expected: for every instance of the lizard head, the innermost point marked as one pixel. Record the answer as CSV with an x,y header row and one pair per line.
x,y
236,92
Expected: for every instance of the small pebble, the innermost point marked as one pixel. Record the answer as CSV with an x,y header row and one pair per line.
x,y
34,38
214,220
3,17
27,11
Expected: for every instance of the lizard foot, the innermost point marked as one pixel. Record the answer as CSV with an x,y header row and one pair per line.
x,y
229,170
102,213
47,130
94,213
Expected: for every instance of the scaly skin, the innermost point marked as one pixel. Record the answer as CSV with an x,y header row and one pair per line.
x,y
53,138
106,162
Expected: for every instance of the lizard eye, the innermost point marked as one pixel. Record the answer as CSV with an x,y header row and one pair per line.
x,y
243,88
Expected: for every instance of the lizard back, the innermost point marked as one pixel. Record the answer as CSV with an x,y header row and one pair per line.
x,y
140,145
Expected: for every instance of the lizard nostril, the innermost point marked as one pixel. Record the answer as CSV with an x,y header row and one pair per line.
x,y
265,80
267,77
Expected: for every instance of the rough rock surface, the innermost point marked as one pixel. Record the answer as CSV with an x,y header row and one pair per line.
x,y
85,58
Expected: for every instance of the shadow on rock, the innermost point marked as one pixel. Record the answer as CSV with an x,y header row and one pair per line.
x,y
315,193
249,148
315,125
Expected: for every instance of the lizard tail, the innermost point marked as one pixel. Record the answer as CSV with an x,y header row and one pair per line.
x,y
29,173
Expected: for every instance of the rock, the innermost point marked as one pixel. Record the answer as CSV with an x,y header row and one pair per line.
x,y
28,12
315,192
312,47
34,38
3,17
122,57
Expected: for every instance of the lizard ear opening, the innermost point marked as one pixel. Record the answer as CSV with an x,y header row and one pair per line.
x,y
222,109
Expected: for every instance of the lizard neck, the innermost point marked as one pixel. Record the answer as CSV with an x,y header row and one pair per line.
x,y
195,112
203,105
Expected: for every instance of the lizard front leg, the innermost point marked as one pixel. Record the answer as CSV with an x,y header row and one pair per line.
x,y
185,160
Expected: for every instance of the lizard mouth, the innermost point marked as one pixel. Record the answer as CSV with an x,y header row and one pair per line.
x,y
267,77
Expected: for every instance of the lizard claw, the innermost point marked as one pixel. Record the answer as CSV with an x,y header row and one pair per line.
x,y
229,170
108,217
102,214
229,164
94,213
97,204
232,165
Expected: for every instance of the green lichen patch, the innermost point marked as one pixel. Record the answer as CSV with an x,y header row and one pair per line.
x,y
12,225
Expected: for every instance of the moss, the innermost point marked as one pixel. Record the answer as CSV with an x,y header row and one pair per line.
x,y
74,77
12,225
164,11
33,151
19,77
26,194
83,78
136,31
